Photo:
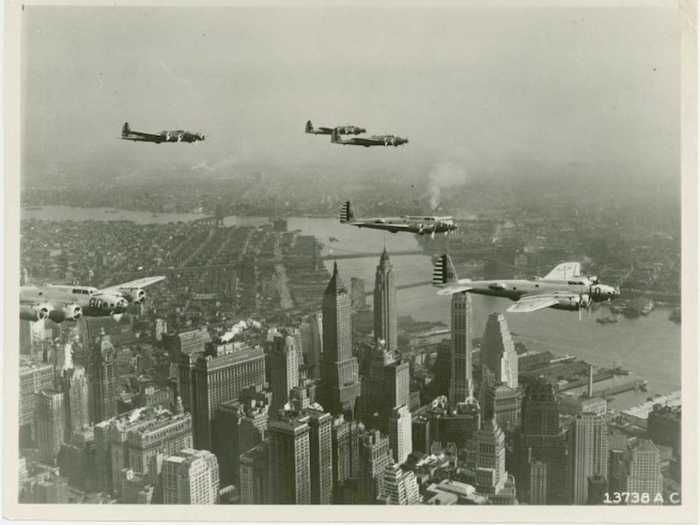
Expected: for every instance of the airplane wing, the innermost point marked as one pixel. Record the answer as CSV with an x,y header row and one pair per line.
x,y
142,137
564,272
364,142
392,227
138,283
454,288
533,303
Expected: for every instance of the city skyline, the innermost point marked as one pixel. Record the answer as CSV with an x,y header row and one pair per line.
x,y
199,326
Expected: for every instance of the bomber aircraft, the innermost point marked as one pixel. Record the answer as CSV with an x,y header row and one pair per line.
x,y
59,302
178,135
374,140
418,224
342,130
564,288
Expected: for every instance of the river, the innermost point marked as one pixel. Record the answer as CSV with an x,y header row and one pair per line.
x,y
648,346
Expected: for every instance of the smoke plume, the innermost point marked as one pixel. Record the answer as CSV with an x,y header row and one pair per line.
x,y
444,175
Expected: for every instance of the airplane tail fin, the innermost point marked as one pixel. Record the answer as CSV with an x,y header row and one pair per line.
x,y
346,214
125,129
334,135
309,127
443,271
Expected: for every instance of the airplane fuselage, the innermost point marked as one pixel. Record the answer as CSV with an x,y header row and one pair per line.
x,y
417,225
91,301
575,293
57,293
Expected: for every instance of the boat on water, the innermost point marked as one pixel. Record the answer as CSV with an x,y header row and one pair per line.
x,y
332,239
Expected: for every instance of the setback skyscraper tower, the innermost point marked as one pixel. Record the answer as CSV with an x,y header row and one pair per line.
x,y
385,313
461,386
339,369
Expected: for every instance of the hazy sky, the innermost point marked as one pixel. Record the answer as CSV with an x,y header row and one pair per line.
x,y
490,89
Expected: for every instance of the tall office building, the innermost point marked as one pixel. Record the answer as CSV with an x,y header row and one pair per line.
x,y
490,460
385,303
588,454
461,384
102,402
215,379
498,351
541,448
540,409
190,477
375,455
503,403
645,469
386,385
400,434
284,369
75,388
33,378
290,460
49,423
339,370
312,344
358,297
400,486
321,456
238,426
255,475
537,483
346,449
138,440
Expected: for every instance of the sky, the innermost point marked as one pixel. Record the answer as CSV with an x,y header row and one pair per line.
x,y
515,91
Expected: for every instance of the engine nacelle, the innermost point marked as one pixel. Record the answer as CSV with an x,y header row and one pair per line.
x,y
72,312
134,295
573,303
36,312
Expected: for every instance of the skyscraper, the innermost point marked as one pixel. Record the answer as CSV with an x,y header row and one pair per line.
x,y
284,369
135,441
321,456
346,443
385,387
588,453
385,304
239,426
101,381
340,370
503,403
312,343
75,388
33,377
461,385
190,477
498,351
49,423
645,469
541,448
290,461
400,486
400,433
490,458
215,379
375,455
255,475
